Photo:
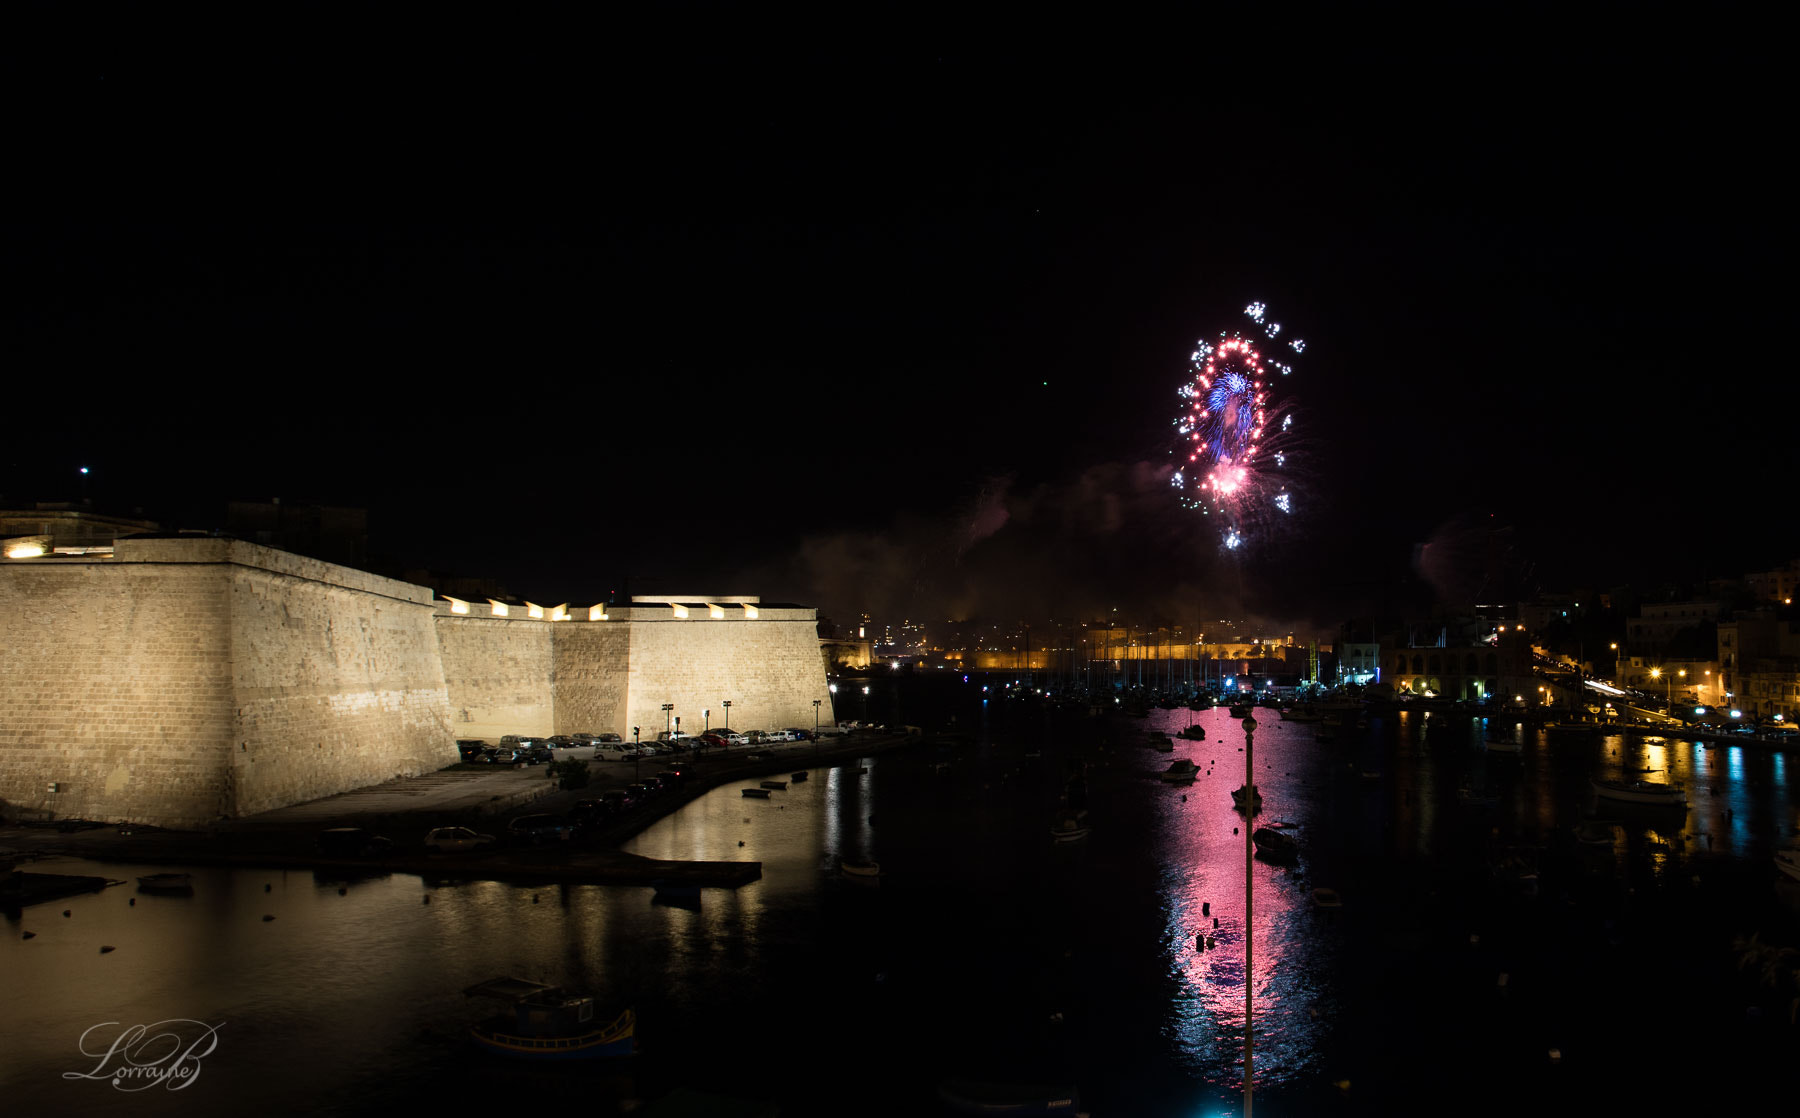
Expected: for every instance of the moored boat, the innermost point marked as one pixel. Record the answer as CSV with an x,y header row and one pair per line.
x,y
861,869
798,776
1787,860
1503,745
1195,732
1641,792
757,793
1275,844
777,785
549,1023
1183,771
1327,898
1246,796
166,883
1069,829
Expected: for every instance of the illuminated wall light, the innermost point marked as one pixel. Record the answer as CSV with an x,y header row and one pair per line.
x,y
560,613
457,605
499,607
716,611
749,610
596,613
25,551
532,609
680,610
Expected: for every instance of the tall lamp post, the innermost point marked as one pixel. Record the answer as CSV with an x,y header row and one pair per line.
x,y
1249,928
1668,690
816,703
727,705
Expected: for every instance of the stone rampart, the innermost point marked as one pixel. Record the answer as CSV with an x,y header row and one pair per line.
x,y
180,680
497,671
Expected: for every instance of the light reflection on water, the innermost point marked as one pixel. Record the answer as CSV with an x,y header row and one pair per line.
x,y
981,926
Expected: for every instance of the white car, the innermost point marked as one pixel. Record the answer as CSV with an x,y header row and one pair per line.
x,y
455,840
777,735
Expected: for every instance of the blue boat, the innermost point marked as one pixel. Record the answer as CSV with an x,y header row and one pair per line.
x,y
549,1023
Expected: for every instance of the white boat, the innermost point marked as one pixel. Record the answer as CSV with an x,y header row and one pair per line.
x,y
1183,771
1787,860
1640,792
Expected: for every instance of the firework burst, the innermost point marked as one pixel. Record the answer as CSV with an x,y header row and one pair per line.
x,y
1232,428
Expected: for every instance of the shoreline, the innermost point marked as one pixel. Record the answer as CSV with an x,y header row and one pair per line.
x,y
404,810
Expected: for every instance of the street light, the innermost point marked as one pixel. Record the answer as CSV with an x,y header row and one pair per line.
x,y
816,703
727,705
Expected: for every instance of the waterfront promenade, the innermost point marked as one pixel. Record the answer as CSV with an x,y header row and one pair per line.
x,y
405,809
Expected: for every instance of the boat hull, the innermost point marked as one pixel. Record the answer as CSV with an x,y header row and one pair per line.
x,y
1007,1098
1641,793
617,1040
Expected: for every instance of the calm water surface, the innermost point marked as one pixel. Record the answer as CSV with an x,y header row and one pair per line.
x,y
987,950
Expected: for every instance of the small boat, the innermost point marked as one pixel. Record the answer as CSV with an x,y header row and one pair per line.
x,y
757,793
1641,792
1162,744
166,883
861,869
1469,797
1196,732
1327,898
1787,860
1503,745
966,1097
1240,710
797,777
549,1023
1069,829
1594,833
1242,796
1183,771
778,785
1275,845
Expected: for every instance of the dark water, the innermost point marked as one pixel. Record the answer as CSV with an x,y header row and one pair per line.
x,y
988,951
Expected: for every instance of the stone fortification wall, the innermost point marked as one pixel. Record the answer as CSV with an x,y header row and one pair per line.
x,y
337,686
497,672
181,680
768,666
590,681
115,689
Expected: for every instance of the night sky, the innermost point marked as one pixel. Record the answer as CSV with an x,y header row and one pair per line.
x,y
900,330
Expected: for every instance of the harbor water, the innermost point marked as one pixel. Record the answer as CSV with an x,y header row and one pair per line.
x,y
1502,937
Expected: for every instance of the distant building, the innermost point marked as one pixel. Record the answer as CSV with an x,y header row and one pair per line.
x,y
60,527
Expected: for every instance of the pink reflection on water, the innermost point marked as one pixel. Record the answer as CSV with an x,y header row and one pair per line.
x,y
1204,881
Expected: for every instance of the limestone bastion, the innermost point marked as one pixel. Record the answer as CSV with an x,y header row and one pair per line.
x,y
176,681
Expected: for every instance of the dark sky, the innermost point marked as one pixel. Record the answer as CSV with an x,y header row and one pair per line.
x,y
900,329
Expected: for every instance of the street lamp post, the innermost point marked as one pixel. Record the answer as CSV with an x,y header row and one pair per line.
x,y
668,709
637,752
727,705
816,703
1249,727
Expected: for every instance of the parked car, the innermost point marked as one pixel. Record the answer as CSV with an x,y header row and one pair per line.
x,y
619,799
590,813
670,778
473,750
640,791
456,840
732,737
353,842
616,751
566,741
795,734
539,828
537,754
501,755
